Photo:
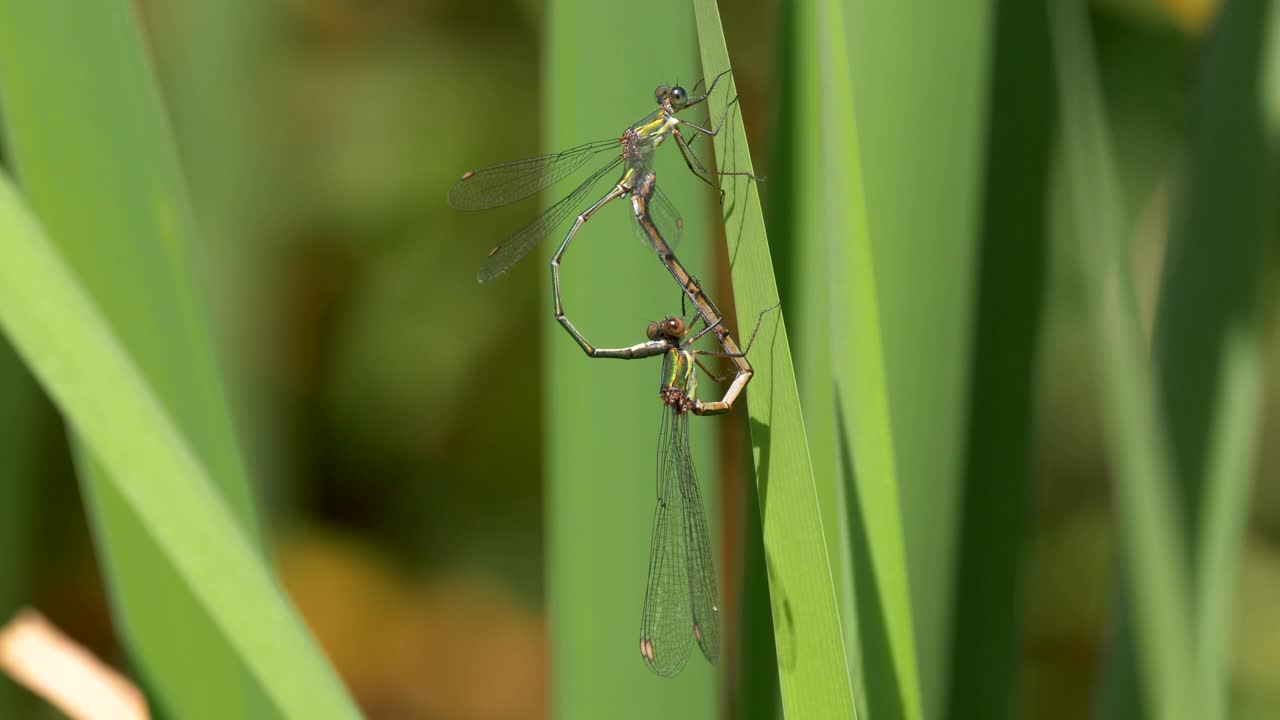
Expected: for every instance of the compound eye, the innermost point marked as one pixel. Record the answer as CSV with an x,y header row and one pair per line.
x,y
675,327
654,331
678,96
661,93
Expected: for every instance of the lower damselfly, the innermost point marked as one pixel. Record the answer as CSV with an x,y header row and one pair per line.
x,y
681,602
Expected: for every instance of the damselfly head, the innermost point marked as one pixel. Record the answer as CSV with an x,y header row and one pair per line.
x,y
671,328
671,97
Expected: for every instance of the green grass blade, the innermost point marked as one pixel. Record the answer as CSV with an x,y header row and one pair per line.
x,y
1013,264
89,141
798,212
919,77
1207,326
1231,467
865,431
1151,533
602,416
813,669
758,695
95,159
210,54
94,380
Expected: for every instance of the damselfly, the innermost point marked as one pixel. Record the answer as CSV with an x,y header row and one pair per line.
x,y
509,182
681,601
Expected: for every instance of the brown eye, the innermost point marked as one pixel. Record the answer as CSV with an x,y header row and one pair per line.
x,y
653,331
661,93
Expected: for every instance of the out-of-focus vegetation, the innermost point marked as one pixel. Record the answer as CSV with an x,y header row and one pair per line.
x,y
393,414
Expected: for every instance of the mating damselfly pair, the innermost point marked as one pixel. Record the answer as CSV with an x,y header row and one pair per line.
x,y
681,601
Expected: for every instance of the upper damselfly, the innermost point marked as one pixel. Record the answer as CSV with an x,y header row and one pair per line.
x,y
509,182
656,217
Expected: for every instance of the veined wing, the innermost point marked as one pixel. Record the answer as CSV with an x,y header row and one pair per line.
x,y
704,600
515,247
503,184
665,625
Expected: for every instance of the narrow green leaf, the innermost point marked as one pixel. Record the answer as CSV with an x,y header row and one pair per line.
x,y
210,54
1013,263
1207,325
758,695
920,74
96,383
798,211
813,669
1151,530
602,416
864,428
93,153
88,139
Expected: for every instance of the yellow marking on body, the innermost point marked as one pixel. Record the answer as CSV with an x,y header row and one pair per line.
x,y
656,130
652,126
626,181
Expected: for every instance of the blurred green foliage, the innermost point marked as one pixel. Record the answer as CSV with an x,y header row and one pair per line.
x,y
394,412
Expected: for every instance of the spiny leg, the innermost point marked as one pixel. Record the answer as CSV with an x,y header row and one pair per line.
x,y
714,377
725,404
709,327
692,289
694,90
740,379
706,131
691,158
707,310
716,80
696,315
756,331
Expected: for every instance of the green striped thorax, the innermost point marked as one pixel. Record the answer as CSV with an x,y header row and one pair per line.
x,y
679,381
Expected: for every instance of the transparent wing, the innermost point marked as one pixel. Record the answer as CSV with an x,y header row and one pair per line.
x,y
665,217
515,247
665,626
503,184
704,600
